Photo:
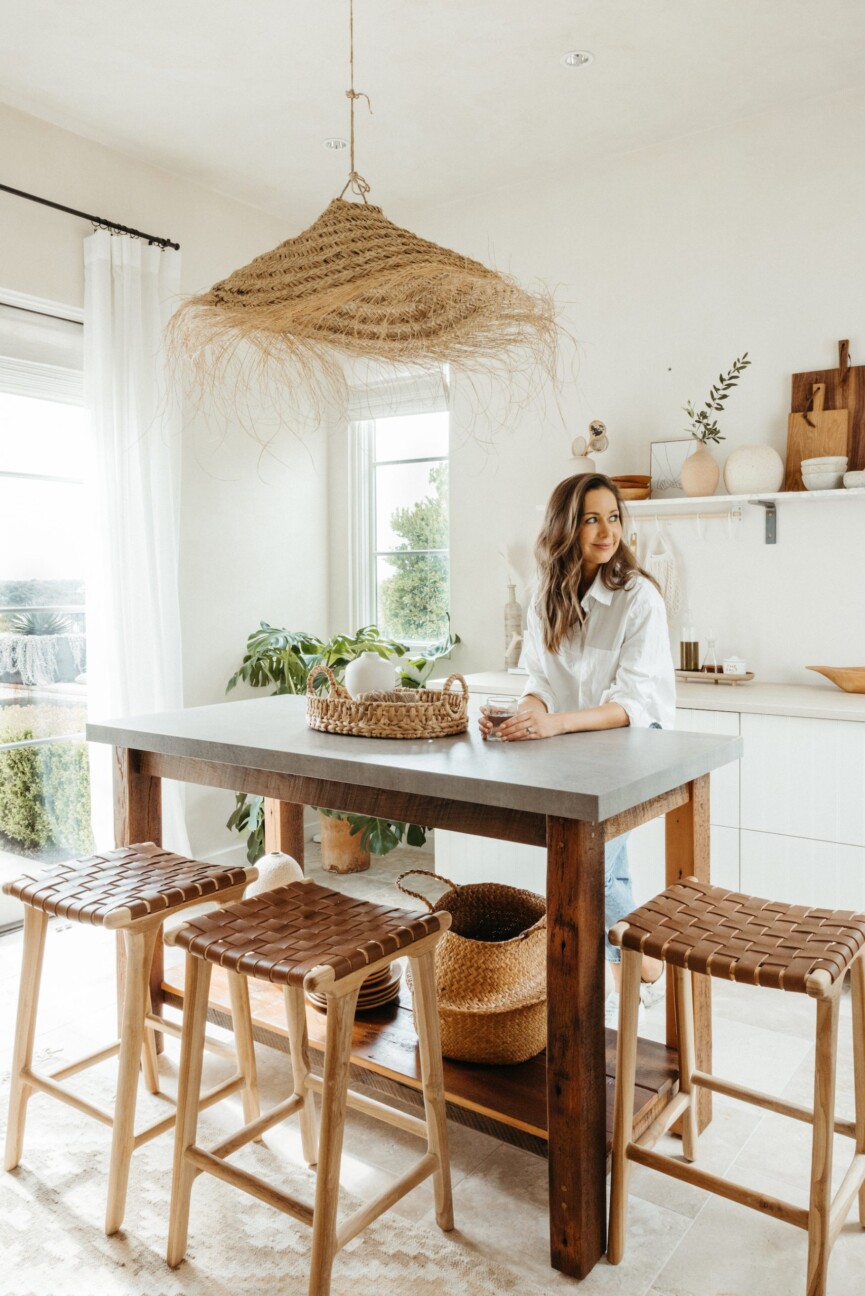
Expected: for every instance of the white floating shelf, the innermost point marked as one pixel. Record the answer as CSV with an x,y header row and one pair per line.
x,y
699,507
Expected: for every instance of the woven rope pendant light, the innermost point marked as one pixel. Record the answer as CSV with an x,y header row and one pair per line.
x,y
355,285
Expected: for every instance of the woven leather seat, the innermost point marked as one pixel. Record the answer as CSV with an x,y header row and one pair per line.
x,y
131,890
283,934
700,929
123,886
742,938
306,936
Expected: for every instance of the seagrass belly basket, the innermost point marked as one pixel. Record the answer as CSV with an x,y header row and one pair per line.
x,y
490,971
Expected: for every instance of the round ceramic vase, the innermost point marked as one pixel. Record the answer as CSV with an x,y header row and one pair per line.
x,y
753,468
369,673
700,472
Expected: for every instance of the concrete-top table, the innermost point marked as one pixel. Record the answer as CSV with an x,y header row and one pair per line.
x,y
571,794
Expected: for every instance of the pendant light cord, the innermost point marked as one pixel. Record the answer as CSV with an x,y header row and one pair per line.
x,y
355,181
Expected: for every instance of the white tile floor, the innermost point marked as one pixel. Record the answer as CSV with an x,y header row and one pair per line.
x,y
682,1242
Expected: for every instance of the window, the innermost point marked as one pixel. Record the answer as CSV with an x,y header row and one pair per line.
x,y
44,781
401,559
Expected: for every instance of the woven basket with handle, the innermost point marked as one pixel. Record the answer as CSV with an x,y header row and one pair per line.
x,y
402,713
491,980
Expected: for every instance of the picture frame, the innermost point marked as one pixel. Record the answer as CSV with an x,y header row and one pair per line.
x,y
665,466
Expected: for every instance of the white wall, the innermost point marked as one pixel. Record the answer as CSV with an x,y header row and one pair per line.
x,y
669,263
253,540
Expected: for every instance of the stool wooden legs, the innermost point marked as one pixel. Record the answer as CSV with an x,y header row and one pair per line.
x,y
623,1111
857,986
197,986
819,1240
136,1000
684,1009
298,1043
826,1214
337,1060
241,1021
35,927
432,1075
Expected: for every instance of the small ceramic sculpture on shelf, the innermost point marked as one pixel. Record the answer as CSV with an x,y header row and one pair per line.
x,y
700,472
582,450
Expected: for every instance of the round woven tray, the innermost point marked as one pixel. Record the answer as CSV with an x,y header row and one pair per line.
x,y
408,713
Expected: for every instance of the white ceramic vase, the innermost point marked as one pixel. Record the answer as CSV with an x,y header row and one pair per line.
x,y
753,468
369,673
700,472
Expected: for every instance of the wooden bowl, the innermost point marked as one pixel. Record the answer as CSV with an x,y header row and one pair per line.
x,y
634,492
849,678
632,479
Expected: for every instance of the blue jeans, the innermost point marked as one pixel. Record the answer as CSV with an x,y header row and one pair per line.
x,y
618,894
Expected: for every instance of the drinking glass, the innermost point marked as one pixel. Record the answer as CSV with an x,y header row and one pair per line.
x,y
498,708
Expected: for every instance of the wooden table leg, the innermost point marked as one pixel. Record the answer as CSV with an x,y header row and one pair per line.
x,y
688,847
576,1084
283,828
137,818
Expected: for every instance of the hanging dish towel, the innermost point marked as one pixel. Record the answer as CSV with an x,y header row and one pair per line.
x,y
660,562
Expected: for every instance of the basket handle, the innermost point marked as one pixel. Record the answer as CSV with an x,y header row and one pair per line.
x,y
416,894
454,702
336,689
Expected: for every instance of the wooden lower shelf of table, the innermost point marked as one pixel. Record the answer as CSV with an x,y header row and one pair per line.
x,y
509,1102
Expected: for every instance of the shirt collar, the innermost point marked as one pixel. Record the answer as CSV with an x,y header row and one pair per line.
x,y
599,592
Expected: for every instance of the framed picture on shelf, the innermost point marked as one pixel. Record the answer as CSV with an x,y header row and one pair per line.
x,y
665,466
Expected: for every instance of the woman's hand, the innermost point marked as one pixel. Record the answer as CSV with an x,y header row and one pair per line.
x,y
529,724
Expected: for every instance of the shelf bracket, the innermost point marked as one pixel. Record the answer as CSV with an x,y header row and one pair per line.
x,y
771,520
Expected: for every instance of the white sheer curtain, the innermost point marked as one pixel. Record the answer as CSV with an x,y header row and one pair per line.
x,y
133,613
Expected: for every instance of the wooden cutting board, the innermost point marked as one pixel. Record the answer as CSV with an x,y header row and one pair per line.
x,y
845,389
812,435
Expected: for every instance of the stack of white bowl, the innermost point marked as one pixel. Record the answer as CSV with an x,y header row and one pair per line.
x,y
824,474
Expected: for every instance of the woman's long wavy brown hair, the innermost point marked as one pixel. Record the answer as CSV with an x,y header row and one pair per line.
x,y
560,559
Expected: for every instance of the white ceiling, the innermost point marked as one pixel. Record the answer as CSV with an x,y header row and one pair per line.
x,y
468,95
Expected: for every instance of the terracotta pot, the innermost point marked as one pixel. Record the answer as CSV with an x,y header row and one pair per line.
x,y
700,472
340,850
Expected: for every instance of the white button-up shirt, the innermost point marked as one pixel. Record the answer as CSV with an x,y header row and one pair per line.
x,y
621,653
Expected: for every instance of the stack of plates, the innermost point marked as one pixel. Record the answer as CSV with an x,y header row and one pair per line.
x,y
377,990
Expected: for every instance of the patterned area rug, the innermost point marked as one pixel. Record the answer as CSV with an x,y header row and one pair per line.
x,y
52,1209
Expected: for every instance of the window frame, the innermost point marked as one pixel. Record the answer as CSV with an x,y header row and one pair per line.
x,y
366,407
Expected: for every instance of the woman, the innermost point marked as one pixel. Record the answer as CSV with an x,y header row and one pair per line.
x,y
597,650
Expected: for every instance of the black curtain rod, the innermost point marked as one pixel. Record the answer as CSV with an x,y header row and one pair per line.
x,y
94,220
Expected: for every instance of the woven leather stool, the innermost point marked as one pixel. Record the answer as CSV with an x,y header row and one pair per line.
x,y
305,936
131,890
696,928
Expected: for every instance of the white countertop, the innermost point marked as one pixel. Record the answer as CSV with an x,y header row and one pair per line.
x,y
812,701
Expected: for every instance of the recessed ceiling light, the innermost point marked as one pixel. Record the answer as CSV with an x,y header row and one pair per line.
x,y
577,58
336,144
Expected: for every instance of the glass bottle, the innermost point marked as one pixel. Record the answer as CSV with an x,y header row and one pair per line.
x,y
689,647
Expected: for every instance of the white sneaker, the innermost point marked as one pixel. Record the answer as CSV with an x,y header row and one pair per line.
x,y
652,992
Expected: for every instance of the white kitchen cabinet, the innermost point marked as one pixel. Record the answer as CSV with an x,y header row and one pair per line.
x,y
646,854
825,875
804,778
724,782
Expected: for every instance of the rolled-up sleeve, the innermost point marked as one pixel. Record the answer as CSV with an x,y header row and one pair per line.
x,y
534,652
644,684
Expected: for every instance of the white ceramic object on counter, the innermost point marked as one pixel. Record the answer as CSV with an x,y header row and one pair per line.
x,y
753,468
369,673
734,666
854,480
